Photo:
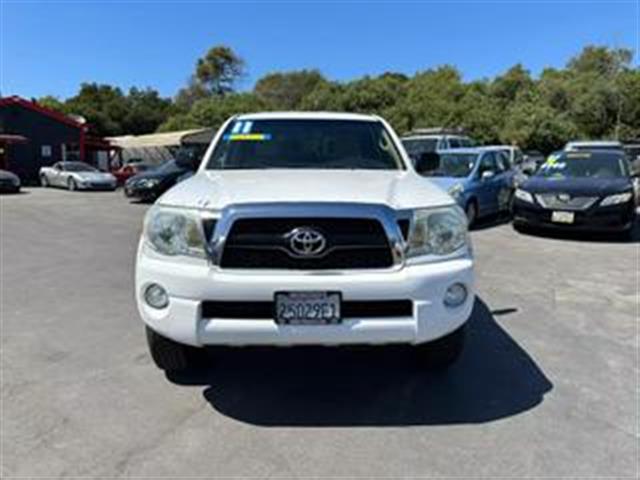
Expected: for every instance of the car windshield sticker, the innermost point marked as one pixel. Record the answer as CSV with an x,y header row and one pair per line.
x,y
553,164
579,155
237,127
255,137
247,127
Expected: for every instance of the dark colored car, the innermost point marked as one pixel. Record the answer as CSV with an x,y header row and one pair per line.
x,y
9,182
129,170
579,190
149,185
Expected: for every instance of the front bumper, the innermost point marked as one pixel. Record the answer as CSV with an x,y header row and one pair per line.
x,y
9,188
97,185
142,193
191,281
614,218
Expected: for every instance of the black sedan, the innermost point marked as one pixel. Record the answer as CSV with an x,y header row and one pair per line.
x,y
9,182
586,191
149,185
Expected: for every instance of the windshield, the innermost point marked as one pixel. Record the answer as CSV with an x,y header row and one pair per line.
x,y
455,165
305,144
415,147
78,167
583,165
168,166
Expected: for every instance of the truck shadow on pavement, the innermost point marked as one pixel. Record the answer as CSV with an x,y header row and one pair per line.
x,y
494,378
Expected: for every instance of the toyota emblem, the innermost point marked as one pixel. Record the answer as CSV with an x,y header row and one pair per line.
x,y
564,197
306,242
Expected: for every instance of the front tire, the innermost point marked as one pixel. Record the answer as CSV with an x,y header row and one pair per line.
x,y
43,181
440,354
172,356
471,210
71,185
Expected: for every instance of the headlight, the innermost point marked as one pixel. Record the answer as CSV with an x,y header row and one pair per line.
x,y
616,199
437,231
148,182
523,195
173,231
456,190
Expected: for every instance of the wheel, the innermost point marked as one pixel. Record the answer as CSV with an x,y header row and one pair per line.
x,y
43,181
71,185
172,356
472,212
443,352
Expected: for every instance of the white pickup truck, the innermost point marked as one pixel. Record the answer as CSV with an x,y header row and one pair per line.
x,y
304,229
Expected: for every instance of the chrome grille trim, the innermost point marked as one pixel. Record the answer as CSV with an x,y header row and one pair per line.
x,y
555,201
387,217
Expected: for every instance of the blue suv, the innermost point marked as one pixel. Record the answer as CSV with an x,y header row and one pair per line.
x,y
479,179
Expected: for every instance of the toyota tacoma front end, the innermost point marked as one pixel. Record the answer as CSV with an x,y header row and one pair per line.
x,y
304,229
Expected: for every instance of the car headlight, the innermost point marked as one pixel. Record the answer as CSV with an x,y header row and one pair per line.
x,y
456,191
616,199
523,195
437,231
148,182
173,231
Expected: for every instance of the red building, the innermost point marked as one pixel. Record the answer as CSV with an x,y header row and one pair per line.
x,y
32,136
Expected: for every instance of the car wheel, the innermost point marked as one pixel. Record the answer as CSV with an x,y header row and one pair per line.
x,y
71,185
443,352
172,356
472,213
43,181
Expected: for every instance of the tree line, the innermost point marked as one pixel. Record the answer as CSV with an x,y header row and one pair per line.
x,y
595,96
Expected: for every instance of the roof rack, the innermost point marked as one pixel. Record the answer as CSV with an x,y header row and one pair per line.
x,y
437,131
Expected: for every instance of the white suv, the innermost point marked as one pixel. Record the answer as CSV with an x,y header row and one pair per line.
x,y
304,229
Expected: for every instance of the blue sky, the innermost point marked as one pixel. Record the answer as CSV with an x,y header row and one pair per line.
x,y
51,47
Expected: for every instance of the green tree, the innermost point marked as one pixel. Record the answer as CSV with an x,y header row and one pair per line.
x,y
219,69
286,90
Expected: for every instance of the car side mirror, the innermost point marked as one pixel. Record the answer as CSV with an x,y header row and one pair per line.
x,y
487,174
427,162
188,160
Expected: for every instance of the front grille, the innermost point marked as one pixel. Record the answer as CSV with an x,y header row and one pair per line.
x,y
264,310
558,201
351,243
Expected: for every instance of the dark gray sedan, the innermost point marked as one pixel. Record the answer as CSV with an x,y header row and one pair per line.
x,y
9,182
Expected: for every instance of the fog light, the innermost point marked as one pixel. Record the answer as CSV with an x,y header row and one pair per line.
x,y
156,296
455,295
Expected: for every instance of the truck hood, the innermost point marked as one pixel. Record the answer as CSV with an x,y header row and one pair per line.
x,y
217,189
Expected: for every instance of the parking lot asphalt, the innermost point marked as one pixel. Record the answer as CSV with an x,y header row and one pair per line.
x,y
547,386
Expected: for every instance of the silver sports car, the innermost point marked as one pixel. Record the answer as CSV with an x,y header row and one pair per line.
x,y
76,176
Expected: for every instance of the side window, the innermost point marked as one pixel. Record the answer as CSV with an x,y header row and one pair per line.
x,y
518,157
464,142
487,164
454,142
57,166
444,144
502,161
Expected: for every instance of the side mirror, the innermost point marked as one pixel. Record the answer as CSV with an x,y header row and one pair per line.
x,y
487,174
427,162
188,160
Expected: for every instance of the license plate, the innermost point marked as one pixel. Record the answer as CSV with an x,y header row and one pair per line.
x,y
562,217
307,308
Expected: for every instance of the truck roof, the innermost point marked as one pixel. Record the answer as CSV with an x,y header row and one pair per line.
x,y
308,116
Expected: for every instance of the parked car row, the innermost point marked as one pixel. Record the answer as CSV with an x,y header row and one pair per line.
x,y
140,180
